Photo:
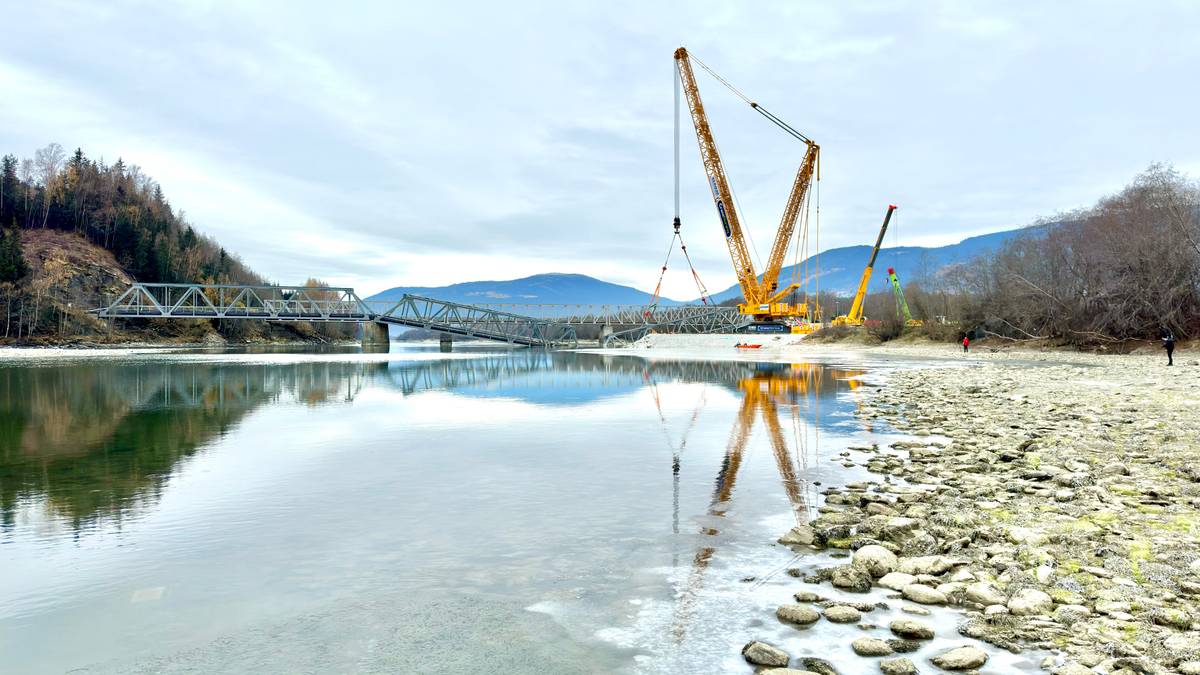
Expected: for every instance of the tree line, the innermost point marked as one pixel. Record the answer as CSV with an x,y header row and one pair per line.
x,y
123,210
115,206
1124,269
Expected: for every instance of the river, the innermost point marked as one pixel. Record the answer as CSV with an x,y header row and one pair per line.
x,y
502,511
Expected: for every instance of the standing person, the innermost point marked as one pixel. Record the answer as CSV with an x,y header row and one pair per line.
x,y
1169,345
966,343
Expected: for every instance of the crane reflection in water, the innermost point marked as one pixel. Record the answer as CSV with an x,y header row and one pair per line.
x,y
797,389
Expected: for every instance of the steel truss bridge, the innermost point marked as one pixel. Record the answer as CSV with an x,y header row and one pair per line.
x,y
533,325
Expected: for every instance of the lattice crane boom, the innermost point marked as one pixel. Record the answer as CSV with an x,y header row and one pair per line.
x,y
743,265
787,223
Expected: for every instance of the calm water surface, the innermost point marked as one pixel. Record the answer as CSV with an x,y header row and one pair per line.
x,y
515,511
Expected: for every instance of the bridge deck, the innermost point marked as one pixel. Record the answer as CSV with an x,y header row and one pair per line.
x,y
553,325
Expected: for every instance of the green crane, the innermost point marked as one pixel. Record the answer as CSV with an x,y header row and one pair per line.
x,y
901,303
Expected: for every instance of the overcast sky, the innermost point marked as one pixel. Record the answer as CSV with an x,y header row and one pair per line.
x,y
382,144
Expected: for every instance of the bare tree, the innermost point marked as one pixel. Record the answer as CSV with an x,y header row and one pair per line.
x,y
49,161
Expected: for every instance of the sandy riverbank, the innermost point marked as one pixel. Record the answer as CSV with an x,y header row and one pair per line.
x,y
1056,502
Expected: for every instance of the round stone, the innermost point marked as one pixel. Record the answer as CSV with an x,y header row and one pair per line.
x,y
899,666
842,614
763,654
797,614
875,559
1030,601
961,658
924,594
868,646
911,630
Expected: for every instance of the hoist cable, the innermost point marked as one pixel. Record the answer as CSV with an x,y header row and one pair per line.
x,y
678,87
761,110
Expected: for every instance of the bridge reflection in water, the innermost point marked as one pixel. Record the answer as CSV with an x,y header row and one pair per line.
x,y
96,441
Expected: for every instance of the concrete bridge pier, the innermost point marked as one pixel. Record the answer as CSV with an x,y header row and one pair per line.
x,y
446,342
605,332
375,337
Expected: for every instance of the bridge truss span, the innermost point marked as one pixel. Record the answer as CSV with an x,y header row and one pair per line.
x,y
471,320
534,325
227,301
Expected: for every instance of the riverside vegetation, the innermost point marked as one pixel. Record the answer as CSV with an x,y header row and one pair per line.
x,y
74,230
1056,504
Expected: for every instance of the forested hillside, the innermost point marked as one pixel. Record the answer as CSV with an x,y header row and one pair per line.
x,y
75,229
114,206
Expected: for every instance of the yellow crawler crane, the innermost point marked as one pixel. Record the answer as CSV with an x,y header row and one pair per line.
x,y
855,316
762,300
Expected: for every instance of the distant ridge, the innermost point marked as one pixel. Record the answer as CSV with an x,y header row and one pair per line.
x,y
537,289
841,269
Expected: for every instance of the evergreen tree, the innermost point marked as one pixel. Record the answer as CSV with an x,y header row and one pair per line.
x,y
13,266
8,188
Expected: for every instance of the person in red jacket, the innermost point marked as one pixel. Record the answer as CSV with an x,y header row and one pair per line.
x,y
966,344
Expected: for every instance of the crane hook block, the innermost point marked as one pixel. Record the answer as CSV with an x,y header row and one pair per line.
x,y
677,224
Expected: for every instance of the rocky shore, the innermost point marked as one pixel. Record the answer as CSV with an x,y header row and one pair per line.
x,y
1053,497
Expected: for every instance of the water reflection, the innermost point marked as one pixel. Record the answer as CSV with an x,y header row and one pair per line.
x,y
185,500
797,388
86,440
94,439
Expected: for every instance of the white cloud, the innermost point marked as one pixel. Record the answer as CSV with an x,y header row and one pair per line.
x,y
408,144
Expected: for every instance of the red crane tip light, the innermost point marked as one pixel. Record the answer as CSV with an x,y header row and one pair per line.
x,y
893,206
891,270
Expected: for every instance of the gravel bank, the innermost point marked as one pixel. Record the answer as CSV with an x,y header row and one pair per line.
x,y
1056,502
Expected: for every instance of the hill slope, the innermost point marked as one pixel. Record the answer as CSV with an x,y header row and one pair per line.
x,y
841,268
537,289
840,272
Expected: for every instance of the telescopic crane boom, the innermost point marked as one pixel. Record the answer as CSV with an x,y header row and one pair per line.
x,y
901,303
855,316
761,297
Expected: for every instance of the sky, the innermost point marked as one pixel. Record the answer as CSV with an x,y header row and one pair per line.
x,y
378,144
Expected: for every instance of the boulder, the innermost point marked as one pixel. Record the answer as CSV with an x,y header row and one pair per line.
x,y
1169,616
1026,535
1030,601
911,630
901,666
876,560
924,594
801,535
851,578
843,614
800,614
929,564
983,593
902,646
896,581
818,666
763,654
961,658
869,646
1069,615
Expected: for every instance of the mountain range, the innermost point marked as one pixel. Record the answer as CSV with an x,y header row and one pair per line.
x,y
840,268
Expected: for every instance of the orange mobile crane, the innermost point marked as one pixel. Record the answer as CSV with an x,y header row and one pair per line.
x,y
763,301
